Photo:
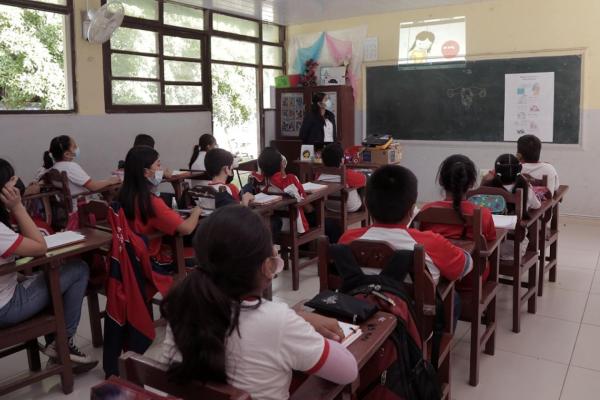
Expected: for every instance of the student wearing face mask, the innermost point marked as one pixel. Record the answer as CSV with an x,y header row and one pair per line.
x,y
146,212
61,156
318,126
219,166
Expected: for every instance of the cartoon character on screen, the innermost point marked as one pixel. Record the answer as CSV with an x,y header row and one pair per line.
x,y
419,52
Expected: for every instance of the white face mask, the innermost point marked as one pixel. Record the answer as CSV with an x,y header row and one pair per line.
x,y
278,265
157,178
328,104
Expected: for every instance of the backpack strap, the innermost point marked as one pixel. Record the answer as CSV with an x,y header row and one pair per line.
x,y
438,331
347,267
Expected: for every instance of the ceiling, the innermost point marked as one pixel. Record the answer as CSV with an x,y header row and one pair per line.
x,y
291,12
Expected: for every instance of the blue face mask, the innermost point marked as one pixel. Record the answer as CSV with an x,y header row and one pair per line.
x,y
157,178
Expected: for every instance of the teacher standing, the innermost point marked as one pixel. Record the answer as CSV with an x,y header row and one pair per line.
x,y
318,126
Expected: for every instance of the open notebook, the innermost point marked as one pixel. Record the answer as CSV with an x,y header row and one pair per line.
x,y
351,333
310,187
63,239
263,199
505,221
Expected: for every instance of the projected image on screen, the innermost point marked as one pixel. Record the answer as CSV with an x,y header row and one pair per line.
x,y
439,40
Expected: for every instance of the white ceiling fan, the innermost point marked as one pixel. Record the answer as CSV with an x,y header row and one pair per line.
x,y
99,25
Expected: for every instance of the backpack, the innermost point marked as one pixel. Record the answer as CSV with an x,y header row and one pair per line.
x,y
398,370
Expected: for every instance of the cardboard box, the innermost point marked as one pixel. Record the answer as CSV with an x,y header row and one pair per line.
x,y
391,155
332,76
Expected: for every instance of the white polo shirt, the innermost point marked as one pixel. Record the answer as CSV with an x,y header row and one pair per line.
x,y
538,170
272,342
9,241
77,178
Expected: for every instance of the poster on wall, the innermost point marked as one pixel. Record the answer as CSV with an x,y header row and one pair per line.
x,y
529,106
292,113
439,40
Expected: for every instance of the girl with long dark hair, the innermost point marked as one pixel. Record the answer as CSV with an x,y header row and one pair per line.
x,y
318,126
147,212
219,328
21,300
205,143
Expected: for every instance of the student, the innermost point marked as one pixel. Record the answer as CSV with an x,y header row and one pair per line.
x,y
61,155
457,175
220,330
507,174
144,140
219,166
274,179
391,197
333,156
146,212
207,142
21,300
529,148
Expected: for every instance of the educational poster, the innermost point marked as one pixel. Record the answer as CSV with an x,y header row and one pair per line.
x,y
439,40
529,106
292,113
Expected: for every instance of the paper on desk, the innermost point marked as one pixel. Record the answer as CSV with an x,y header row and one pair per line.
x,y
351,333
263,198
310,187
62,239
505,221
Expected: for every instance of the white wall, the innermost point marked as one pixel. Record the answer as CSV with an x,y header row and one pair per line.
x,y
104,139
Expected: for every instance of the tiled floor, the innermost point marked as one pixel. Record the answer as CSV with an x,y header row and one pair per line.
x,y
556,355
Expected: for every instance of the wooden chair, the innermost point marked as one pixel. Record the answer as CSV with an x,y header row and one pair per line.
x,y
63,202
513,270
23,336
346,218
376,254
291,240
480,301
142,371
246,167
126,390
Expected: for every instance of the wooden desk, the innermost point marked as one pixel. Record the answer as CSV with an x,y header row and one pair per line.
x,y
469,245
375,331
306,168
178,180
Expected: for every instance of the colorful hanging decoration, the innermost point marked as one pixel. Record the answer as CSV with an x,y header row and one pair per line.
x,y
305,54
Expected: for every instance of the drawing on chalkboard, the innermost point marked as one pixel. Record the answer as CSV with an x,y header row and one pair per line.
x,y
421,47
467,94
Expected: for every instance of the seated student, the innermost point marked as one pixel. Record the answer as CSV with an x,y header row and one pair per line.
x,y
391,197
219,166
220,330
529,148
21,300
207,142
333,156
457,175
63,151
507,175
146,212
144,140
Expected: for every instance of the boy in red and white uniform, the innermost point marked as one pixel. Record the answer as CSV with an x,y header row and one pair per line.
x,y
529,148
219,165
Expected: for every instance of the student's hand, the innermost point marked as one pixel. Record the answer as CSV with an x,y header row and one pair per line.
x,y
489,176
328,327
196,212
247,198
168,172
10,195
113,180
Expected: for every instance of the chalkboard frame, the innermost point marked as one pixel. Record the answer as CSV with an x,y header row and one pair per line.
x,y
576,52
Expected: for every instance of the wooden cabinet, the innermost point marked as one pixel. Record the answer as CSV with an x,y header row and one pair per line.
x,y
293,103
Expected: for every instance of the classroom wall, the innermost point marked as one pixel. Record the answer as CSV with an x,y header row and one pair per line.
x,y
500,27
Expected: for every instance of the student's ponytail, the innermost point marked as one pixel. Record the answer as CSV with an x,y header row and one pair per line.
x,y
457,175
522,183
48,161
203,309
508,172
194,155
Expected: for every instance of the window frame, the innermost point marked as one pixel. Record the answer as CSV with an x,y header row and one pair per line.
x,y
161,30
67,11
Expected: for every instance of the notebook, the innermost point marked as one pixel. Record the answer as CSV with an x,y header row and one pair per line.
x,y
310,187
351,333
505,221
63,239
263,199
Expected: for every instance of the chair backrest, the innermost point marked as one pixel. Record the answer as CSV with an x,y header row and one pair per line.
x,y
248,166
536,182
338,171
205,196
144,371
376,255
448,216
60,181
93,213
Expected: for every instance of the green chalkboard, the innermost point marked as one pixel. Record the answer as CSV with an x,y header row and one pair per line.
x,y
464,101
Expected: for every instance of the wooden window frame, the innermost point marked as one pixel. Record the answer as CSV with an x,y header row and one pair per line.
x,y
67,11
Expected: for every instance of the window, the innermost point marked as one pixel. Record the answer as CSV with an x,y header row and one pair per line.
x,y
155,61
36,67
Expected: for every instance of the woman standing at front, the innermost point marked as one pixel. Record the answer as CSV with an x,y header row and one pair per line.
x,y
318,126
